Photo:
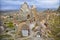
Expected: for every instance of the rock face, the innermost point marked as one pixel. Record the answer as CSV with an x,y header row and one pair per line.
x,y
27,15
23,27
31,21
25,12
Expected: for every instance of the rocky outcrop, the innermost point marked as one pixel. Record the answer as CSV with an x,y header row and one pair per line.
x,y
25,12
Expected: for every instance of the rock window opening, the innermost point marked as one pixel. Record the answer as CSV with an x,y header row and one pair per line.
x,y
28,16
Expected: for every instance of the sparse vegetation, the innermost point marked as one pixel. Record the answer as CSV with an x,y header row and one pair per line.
x,y
54,23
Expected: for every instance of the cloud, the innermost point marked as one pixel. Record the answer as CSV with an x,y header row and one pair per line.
x,y
14,4
48,0
48,3
9,8
17,2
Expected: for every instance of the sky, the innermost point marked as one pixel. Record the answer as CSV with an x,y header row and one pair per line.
x,y
15,4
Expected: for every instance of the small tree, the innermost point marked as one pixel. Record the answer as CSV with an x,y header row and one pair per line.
x,y
9,24
58,10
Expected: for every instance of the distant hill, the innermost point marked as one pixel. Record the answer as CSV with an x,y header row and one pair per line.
x,y
8,12
5,11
